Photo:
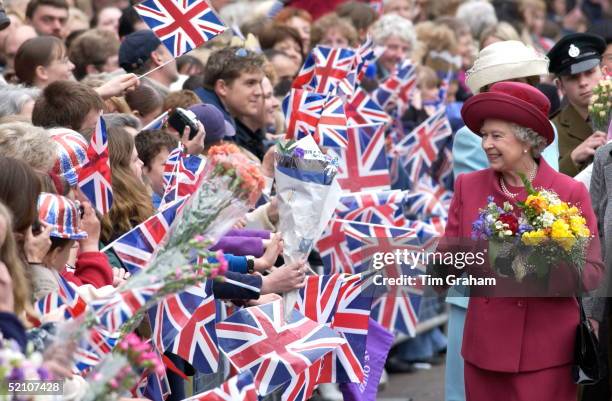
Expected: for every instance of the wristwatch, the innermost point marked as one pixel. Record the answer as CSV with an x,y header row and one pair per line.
x,y
250,264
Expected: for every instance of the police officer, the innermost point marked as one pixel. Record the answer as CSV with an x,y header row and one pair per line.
x,y
575,61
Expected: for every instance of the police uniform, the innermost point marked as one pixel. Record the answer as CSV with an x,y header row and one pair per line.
x,y
572,55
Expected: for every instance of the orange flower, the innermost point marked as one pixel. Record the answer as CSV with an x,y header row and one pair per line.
x,y
224,149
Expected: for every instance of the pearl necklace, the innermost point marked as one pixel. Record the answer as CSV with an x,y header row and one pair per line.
x,y
505,190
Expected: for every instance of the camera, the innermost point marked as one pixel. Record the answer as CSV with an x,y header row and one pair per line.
x,y
181,118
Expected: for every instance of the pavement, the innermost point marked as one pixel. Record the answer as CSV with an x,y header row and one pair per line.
x,y
423,385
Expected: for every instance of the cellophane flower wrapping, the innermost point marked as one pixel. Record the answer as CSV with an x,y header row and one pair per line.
x,y
546,232
228,187
308,193
600,106
119,372
17,365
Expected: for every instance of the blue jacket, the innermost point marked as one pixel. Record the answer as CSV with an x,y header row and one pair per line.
x,y
11,328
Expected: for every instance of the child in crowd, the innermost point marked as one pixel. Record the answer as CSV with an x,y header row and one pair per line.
x,y
153,148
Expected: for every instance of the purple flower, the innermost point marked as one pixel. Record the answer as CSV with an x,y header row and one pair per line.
x,y
44,374
17,374
298,152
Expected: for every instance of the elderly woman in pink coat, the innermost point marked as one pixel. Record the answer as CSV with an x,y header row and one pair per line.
x,y
518,349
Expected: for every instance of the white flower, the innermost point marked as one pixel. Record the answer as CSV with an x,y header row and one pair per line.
x,y
547,219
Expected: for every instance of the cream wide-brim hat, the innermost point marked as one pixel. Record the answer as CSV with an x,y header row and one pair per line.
x,y
502,61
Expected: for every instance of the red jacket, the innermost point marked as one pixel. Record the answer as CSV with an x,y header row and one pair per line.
x,y
91,268
521,334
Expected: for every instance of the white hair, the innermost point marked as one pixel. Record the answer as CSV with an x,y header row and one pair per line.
x,y
478,14
530,137
14,97
393,25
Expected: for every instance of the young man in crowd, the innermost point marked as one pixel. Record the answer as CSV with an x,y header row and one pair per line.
x,y
575,61
153,148
141,52
232,82
48,17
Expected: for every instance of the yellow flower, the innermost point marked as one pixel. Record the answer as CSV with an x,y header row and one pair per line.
x,y
536,202
573,211
559,209
561,233
533,238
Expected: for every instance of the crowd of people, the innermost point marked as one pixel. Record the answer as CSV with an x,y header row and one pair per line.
x,y
517,97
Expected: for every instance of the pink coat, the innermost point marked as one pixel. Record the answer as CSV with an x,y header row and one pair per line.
x,y
521,334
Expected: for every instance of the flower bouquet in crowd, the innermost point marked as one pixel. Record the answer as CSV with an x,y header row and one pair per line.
x,y
307,193
227,188
600,107
119,372
548,231
16,366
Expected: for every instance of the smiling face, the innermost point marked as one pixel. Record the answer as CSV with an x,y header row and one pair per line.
x,y
243,95
396,50
504,151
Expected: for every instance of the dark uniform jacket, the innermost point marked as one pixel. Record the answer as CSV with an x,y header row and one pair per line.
x,y
572,130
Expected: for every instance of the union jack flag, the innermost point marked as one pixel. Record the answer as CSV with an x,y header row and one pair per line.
x,y
302,111
185,180
239,387
115,312
75,305
362,110
394,93
184,324
301,387
365,56
313,114
332,69
398,309
364,240
157,123
331,129
332,248
92,347
360,206
136,247
181,25
317,300
259,339
363,164
306,75
153,387
421,147
427,199
345,364
442,170
171,165
95,177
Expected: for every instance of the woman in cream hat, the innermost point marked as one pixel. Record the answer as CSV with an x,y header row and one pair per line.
x,y
509,60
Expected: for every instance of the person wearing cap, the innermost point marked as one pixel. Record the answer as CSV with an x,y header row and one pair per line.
x,y
141,52
62,215
509,60
518,348
216,126
575,62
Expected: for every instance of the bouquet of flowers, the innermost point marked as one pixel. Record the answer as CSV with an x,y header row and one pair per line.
x,y
600,107
307,197
15,365
119,372
228,187
546,232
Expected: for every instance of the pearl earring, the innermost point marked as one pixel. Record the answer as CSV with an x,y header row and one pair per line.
x,y
524,150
